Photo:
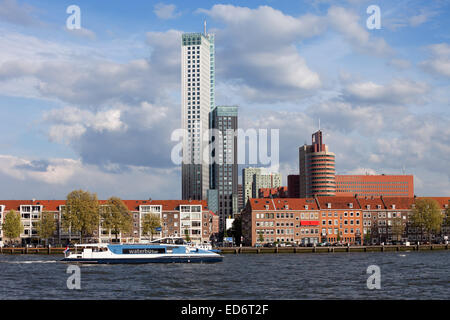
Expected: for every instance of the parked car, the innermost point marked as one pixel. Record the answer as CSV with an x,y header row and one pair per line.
x,y
269,245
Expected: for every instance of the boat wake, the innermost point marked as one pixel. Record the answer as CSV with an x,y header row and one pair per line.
x,y
29,262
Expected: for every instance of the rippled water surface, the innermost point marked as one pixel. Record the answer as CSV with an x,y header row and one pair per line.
x,y
405,275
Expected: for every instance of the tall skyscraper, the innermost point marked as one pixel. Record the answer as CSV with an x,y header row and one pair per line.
x,y
317,169
224,170
197,100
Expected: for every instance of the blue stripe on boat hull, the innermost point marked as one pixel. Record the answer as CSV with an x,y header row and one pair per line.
x,y
151,260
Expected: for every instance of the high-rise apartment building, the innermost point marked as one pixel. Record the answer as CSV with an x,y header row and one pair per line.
x,y
254,179
224,168
197,100
317,169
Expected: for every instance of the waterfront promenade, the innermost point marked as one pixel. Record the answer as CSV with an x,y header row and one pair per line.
x,y
262,250
331,249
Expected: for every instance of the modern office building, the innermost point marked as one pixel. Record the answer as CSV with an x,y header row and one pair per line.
x,y
254,179
197,101
317,169
224,168
240,198
375,185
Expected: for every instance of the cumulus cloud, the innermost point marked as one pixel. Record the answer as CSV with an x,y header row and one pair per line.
x,y
166,11
53,171
70,123
13,12
439,62
347,23
257,49
397,92
83,33
54,178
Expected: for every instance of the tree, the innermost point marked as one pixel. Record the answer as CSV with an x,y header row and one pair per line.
x,y
46,226
12,225
150,222
261,237
81,213
398,228
427,216
186,233
367,237
116,217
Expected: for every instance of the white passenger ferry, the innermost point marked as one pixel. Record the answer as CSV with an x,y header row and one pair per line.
x,y
165,250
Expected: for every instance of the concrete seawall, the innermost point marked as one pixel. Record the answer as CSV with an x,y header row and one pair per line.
x,y
253,250
32,250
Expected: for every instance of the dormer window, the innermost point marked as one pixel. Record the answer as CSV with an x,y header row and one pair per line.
x,y
267,207
286,206
368,206
306,206
393,206
350,205
378,206
329,205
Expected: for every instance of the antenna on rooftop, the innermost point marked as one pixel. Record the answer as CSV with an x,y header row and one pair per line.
x,y
319,124
205,27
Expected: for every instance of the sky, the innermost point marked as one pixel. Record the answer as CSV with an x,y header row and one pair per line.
x,y
94,108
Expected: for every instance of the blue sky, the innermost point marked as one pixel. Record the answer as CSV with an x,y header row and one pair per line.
x,y
95,108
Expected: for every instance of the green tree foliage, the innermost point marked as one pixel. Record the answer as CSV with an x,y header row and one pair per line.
x,y
12,225
116,217
261,237
186,234
397,228
150,222
427,216
81,213
447,216
367,237
46,226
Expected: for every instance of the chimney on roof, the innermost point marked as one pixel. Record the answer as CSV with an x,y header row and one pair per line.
x,y
33,199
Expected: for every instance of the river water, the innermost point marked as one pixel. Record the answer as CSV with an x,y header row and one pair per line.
x,y
404,275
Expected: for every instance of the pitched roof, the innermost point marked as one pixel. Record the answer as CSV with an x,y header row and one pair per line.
x,y
133,205
279,204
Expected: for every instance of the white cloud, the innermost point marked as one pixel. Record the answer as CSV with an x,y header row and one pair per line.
x,y
257,50
83,33
347,23
165,11
398,91
439,62
71,123
55,178
13,12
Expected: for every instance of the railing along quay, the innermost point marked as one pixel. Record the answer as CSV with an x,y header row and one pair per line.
x,y
317,249
257,250
26,250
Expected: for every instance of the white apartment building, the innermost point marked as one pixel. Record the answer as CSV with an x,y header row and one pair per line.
x,y
197,100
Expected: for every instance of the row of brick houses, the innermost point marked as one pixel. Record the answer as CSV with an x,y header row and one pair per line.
x,y
347,220
177,218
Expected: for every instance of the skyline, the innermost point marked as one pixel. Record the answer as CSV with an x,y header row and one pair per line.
x,y
94,108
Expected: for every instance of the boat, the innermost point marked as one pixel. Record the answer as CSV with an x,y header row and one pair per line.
x,y
166,250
